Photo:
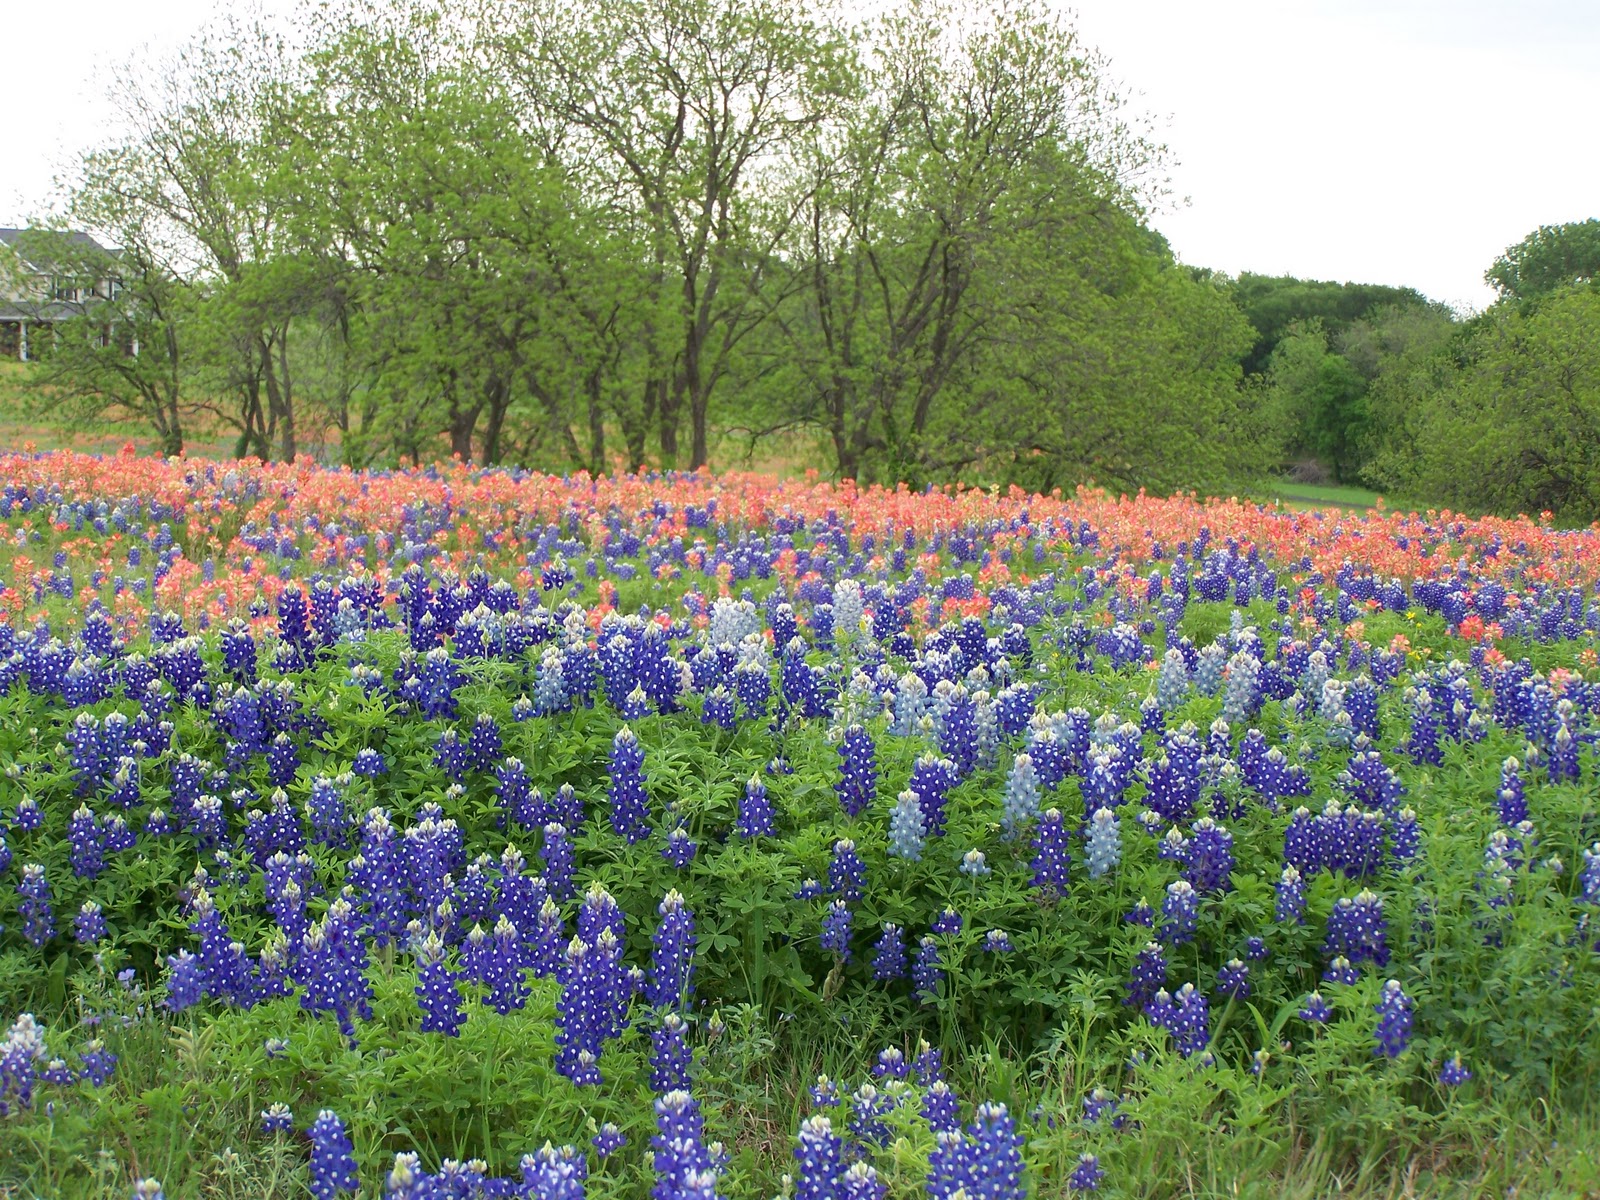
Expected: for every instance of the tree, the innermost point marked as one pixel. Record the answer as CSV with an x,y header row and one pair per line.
x,y
1514,425
1273,303
1322,396
1549,258
672,111
119,355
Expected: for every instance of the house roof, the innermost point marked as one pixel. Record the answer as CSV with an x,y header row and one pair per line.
x,y
75,238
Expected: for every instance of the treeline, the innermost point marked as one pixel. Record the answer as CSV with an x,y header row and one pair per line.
x,y
1497,412
612,234
631,232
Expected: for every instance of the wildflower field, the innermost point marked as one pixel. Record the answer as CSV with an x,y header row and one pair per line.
x,y
467,833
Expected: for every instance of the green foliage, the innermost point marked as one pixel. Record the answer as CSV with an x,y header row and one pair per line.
x,y
1274,304
1549,259
1509,420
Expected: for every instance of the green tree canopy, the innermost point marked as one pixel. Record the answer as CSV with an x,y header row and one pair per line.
x,y
1549,258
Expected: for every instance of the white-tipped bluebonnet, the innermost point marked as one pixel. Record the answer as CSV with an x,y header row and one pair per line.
x,y
755,811
680,848
1148,976
1087,1174
148,1189
1340,970
1021,803
927,971
630,802
333,1164
436,990
836,926
1392,1033
1180,913
931,780
672,954
1290,904
907,828
997,941
941,1108
858,771
1357,929
670,1056
1103,843
1453,1074
185,981
683,1163
819,1155
1051,858
889,954
974,864
847,874
608,1140
276,1118
1233,980
89,926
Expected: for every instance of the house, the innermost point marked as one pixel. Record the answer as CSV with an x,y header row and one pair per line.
x,y
47,278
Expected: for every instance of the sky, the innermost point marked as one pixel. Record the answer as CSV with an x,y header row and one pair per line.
x,y
1404,142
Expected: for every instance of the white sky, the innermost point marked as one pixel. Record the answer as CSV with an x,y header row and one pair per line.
x,y
1403,142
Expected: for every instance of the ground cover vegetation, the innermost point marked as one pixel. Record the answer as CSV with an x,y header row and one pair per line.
x,y
473,832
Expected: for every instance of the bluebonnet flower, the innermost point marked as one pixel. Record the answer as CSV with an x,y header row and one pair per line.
x,y
609,1140
860,1182
90,924
1589,877
670,1056
820,1163
1186,1018
931,780
185,981
276,1118
948,921
33,905
557,854
997,941
29,816
98,1062
630,802
907,828
83,833
1148,976
1291,897
1087,1174
941,1108
974,864
672,955
368,763
847,874
1393,1032
824,1093
484,742
928,1064
1452,1073
927,971
868,1107
891,1064
1180,913
1101,1103
1513,797
1022,796
1341,971
331,967
755,811
1233,979
1051,858
889,954
1209,861
436,989
683,1164
1103,843
858,771
148,1189
325,809
836,924
333,1164
1357,929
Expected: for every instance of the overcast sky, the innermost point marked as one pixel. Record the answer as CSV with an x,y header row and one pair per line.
x,y
1384,141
